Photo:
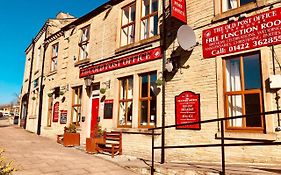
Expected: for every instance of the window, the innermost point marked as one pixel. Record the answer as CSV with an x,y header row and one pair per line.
x,y
147,100
243,91
39,56
55,51
232,4
149,18
125,101
50,110
76,105
84,43
128,24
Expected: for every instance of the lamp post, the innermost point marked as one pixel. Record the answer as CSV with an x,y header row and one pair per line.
x,y
88,80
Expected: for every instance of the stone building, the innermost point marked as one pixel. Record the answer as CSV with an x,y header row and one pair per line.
x,y
106,68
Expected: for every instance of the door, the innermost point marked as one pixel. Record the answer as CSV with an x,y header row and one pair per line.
x,y
95,114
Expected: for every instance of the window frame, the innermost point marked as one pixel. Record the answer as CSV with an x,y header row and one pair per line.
x,y
127,25
148,99
84,43
242,92
148,16
50,111
126,101
54,57
76,105
238,5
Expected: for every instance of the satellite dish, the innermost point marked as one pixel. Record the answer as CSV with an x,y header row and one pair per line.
x,y
186,37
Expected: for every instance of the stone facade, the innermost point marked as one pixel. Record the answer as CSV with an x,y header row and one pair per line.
x,y
193,73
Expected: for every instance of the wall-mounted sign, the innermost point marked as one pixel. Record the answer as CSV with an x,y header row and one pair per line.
x,y
260,30
108,109
141,57
56,112
178,10
187,110
63,116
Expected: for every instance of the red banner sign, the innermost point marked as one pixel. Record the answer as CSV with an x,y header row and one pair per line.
x,y
56,112
178,10
130,60
188,110
256,31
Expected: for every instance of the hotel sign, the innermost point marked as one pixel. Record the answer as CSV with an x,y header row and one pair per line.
x,y
141,57
187,110
260,30
178,9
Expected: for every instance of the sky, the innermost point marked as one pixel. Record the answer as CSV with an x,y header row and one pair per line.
x,y
20,21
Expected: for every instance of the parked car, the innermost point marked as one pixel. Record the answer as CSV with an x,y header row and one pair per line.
x,y
1,114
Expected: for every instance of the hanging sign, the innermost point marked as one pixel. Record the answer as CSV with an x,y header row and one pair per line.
x,y
188,110
260,30
56,112
178,10
63,116
141,57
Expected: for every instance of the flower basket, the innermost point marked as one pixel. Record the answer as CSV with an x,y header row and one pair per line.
x,y
102,90
159,82
50,94
61,92
33,98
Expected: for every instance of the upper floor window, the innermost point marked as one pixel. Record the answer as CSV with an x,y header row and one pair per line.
x,y
128,24
55,50
243,91
149,18
39,56
146,22
232,4
84,43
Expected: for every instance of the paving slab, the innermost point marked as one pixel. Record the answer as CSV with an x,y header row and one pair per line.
x,y
34,155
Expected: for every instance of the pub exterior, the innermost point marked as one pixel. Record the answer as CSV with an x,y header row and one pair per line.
x,y
110,68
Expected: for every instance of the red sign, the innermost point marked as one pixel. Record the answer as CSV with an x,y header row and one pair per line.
x,y
256,31
130,60
178,9
188,110
56,112
108,101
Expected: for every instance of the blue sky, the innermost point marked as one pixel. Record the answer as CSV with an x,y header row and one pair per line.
x,y
20,22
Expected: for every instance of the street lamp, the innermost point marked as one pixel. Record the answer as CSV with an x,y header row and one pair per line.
x,y
88,80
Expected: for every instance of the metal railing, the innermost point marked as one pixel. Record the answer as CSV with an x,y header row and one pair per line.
x,y
222,144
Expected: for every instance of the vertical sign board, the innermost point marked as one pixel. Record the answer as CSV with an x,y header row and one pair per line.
x,y
108,109
178,10
188,110
56,112
63,116
256,31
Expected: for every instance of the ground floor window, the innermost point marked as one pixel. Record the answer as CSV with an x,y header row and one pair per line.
x,y
50,109
125,102
243,91
147,100
76,105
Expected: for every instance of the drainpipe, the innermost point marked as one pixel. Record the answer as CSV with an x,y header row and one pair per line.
x,y
164,82
29,82
41,84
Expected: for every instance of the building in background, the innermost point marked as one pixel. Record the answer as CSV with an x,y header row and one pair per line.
x,y
106,68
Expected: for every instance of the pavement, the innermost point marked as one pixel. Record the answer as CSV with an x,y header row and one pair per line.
x,y
36,155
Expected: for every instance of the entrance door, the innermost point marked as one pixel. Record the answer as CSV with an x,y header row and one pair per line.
x,y
95,114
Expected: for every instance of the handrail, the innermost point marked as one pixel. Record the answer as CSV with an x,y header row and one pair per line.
x,y
222,144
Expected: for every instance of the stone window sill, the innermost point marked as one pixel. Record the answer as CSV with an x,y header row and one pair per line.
x,y
138,131
80,62
247,136
51,73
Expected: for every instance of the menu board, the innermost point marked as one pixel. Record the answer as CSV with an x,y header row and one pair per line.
x,y
56,112
63,116
187,110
